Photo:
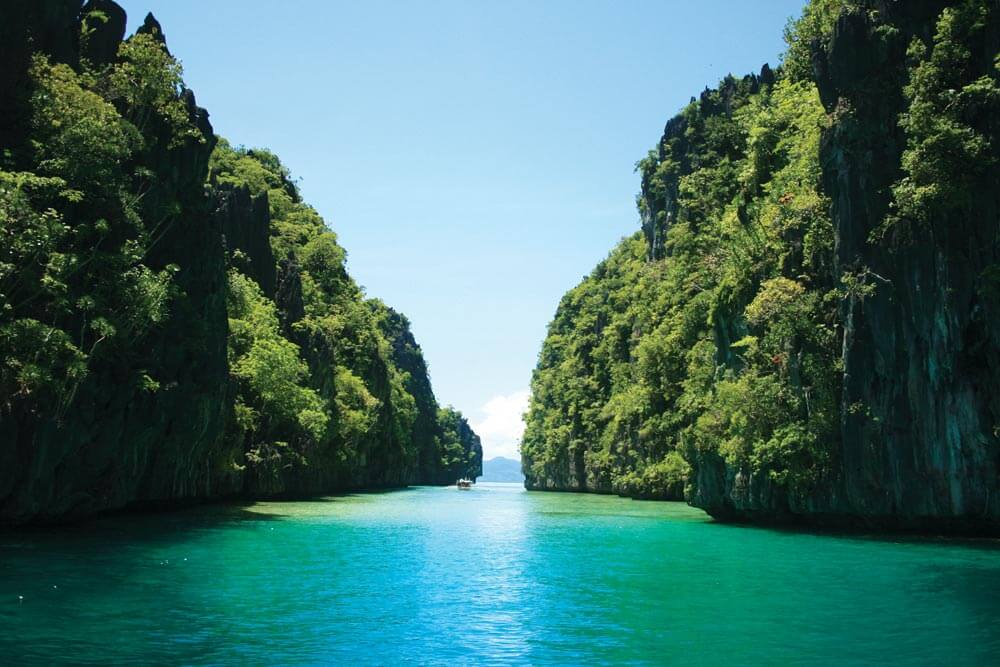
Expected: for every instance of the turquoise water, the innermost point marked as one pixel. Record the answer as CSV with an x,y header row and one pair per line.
x,y
490,576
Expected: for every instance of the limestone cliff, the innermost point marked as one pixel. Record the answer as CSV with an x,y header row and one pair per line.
x,y
918,413
806,330
170,332
119,443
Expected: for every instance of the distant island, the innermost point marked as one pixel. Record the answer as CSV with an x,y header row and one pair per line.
x,y
502,469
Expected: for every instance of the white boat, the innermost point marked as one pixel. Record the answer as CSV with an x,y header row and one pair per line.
x,y
464,483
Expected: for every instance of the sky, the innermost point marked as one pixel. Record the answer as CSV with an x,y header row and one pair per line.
x,y
476,159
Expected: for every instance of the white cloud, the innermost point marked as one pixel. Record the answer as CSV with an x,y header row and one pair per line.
x,y
500,424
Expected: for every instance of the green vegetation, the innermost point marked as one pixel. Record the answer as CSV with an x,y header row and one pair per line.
x,y
947,122
809,33
705,357
151,344
78,286
722,347
325,378
273,406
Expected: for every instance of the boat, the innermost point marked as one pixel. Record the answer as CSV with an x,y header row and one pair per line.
x,y
465,483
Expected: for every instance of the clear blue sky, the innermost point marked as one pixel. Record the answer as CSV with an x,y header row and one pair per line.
x,y
475,159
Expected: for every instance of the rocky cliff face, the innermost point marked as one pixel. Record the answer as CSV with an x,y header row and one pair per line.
x,y
118,443
462,449
246,230
924,351
918,414
813,326
122,380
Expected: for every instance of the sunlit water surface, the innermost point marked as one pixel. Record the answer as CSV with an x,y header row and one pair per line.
x,y
489,576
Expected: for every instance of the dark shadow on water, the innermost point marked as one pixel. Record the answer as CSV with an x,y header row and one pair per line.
x,y
976,587
968,535
898,536
147,525
181,514
110,531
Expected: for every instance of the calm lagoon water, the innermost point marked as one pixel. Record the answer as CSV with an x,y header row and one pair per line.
x,y
491,576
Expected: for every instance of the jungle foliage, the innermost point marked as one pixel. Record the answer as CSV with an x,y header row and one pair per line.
x,y
716,335
108,282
